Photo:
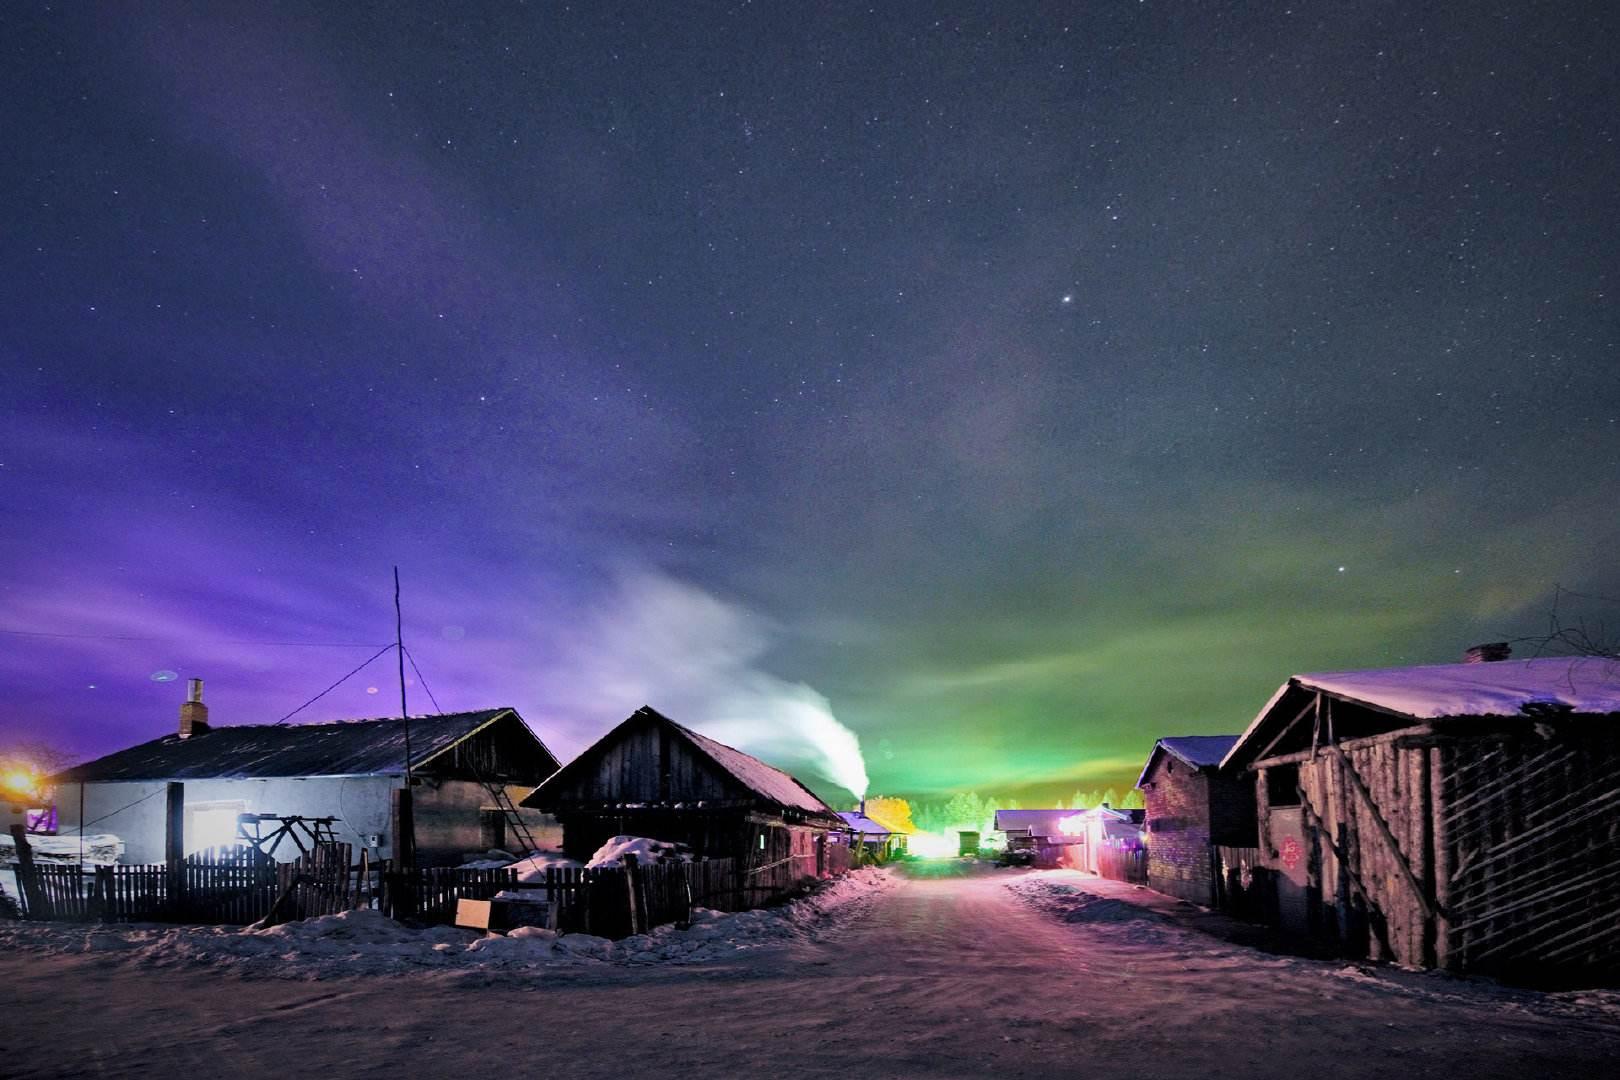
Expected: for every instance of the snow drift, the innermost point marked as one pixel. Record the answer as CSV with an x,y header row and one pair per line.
x,y
367,943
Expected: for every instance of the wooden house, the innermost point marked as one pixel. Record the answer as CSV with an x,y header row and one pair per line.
x,y
1465,816
652,777
1193,808
467,769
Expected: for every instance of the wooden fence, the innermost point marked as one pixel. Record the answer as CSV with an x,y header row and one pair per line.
x,y
616,901
239,886
230,885
430,894
1243,888
1123,862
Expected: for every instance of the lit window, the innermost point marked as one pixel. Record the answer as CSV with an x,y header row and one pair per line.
x,y
212,824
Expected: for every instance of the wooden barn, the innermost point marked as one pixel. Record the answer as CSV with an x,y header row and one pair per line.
x,y
337,778
652,777
1465,816
1193,807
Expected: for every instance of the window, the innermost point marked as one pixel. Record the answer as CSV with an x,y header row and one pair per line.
x,y
1282,785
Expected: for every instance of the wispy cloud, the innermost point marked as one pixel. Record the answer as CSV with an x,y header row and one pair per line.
x,y
654,640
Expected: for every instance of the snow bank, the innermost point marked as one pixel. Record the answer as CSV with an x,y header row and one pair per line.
x,y
1072,904
366,943
613,852
530,869
100,849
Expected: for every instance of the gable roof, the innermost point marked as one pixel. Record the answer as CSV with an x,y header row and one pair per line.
x,y
864,825
1194,751
1038,822
1578,684
251,751
765,782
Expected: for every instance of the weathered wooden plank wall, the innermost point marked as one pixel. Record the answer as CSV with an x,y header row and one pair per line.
x,y
1530,829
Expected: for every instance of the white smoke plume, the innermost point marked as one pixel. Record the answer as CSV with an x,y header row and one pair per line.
x,y
693,657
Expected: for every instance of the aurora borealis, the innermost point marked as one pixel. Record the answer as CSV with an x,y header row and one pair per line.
x,y
1017,383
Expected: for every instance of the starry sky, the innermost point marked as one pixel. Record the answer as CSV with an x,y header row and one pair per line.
x,y
1003,386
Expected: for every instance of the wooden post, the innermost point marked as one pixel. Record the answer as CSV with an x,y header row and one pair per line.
x,y
404,825
632,872
28,876
174,849
1440,858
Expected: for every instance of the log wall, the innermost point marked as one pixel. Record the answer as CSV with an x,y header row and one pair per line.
x,y
1530,832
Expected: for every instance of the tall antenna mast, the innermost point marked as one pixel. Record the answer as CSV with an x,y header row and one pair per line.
x,y
399,650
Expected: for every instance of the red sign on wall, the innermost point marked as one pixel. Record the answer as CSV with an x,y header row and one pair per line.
x,y
1292,853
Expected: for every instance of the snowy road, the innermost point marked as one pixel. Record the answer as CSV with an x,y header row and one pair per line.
x,y
946,976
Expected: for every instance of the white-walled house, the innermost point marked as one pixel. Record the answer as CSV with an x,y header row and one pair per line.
x,y
347,771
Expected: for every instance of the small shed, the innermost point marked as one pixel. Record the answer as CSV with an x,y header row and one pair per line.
x,y
467,768
652,777
1455,815
1102,829
1192,808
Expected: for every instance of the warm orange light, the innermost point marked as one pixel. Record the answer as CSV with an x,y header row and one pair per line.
x,y
20,782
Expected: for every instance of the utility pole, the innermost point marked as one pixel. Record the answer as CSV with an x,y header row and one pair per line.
x,y
399,650
404,812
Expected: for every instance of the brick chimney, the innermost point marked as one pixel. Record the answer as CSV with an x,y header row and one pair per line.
x,y
1488,653
193,713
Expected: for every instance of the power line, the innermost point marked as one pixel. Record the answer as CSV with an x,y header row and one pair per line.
x,y
335,685
436,706
86,824
192,641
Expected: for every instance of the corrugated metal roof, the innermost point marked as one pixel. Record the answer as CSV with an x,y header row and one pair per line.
x,y
248,751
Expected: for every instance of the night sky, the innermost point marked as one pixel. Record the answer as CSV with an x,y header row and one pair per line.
x,y
1009,385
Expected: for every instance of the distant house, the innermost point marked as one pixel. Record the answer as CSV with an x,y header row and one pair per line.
x,y
878,841
1040,833
1192,806
1455,815
1102,828
464,764
652,777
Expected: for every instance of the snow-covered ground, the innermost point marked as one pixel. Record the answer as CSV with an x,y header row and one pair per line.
x,y
366,943
944,971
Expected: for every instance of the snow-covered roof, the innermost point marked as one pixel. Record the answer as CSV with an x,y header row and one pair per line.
x,y
765,783
754,774
863,824
342,748
1037,822
1577,684
1194,751
1583,684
